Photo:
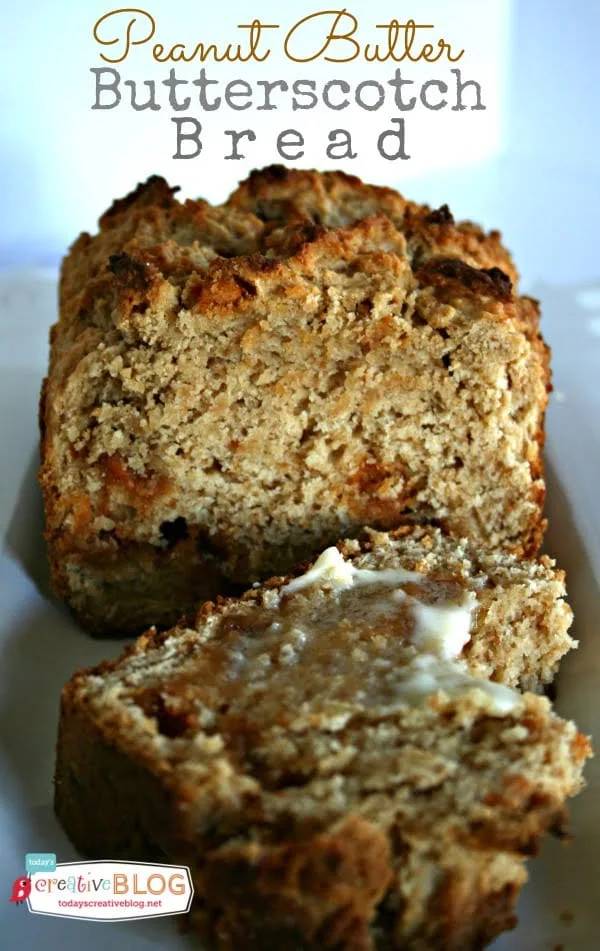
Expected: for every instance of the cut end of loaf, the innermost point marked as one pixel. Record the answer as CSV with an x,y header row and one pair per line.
x,y
272,374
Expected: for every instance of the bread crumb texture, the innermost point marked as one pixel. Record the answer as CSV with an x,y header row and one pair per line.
x,y
233,387
270,744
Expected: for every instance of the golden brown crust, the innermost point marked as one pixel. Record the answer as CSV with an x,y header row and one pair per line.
x,y
272,374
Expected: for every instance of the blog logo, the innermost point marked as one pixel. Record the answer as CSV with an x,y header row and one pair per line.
x,y
107,890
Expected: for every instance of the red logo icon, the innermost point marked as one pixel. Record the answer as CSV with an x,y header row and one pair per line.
x,y
20,890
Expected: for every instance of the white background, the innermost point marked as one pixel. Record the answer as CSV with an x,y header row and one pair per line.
x,y
528,165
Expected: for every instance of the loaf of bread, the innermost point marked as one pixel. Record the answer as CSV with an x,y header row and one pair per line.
x,y
340,757
233,388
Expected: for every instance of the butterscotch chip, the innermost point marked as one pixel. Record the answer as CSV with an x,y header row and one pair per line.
x,y
341,757
232,388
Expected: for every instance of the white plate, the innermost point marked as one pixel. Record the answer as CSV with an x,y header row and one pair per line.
x,y
40,646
